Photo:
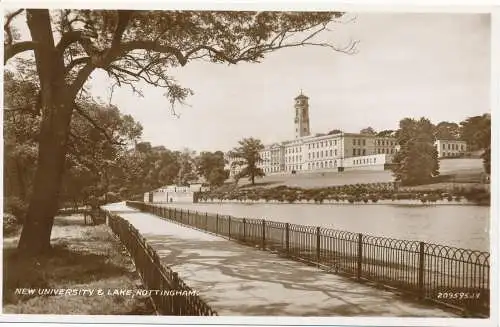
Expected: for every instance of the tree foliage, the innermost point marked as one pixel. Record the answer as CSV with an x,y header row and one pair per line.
x,y
247,156
386,133
447,131
417,161
210,165
368,131
476,131
131,46
334,131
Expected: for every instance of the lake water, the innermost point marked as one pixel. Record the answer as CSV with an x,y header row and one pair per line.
x,y
464,226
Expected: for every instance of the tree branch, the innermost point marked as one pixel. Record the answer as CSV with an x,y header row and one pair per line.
x,y
82,113
123,19
81,78
6,27
76,62
67,39
11,50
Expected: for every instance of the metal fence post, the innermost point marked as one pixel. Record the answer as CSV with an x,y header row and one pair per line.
x,y
244,228
287,238
229,227
318,244
206,221
263,234
360,255
217,224
421,267
188,218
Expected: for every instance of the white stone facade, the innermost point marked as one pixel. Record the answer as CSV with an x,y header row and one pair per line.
x,y
450,148
308,153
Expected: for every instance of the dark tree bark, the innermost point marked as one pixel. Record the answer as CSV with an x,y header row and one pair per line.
x,y
57,107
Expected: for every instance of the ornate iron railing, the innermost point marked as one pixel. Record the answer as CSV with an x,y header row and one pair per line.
x,y
180,300
455,277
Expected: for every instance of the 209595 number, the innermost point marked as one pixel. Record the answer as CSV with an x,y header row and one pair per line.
x,y
458,295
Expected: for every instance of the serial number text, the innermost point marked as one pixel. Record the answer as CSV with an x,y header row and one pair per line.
x,y
458,295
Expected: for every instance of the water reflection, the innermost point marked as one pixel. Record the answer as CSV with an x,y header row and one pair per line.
x,y
453,225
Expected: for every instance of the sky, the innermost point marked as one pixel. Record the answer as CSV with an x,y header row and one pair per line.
x,y
407,65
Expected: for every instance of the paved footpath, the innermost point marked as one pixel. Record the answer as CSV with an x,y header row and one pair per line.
x,y
239,280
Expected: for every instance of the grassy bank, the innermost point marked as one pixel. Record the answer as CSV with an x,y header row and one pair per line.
x,y
84,257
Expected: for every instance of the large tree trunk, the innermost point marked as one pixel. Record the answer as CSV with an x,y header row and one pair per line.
x,y
57,107
35,237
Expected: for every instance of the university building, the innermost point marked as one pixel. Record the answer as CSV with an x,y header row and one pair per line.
x,y
323,152
450,148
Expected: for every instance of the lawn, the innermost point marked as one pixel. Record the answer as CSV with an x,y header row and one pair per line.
x,y
84,257
452,171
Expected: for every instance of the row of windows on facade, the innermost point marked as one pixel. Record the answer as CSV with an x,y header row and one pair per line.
x,y
365,161
321,154
323,164
322,144
451,154
454,147
317,165
385,143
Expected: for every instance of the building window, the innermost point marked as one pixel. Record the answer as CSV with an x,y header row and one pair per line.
x,y
353,152
335,142
353,142
335,152
364,142
330,142
331,153
364,151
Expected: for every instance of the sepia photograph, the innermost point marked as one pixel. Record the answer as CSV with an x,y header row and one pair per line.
x,y
242,162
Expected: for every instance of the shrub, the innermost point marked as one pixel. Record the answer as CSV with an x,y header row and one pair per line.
x,y
10,224
291,197
16,207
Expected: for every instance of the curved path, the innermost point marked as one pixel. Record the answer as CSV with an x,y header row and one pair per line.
x,y
236,279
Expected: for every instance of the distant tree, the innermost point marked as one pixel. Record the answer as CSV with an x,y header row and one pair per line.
x,y
334,131
386,133
247,155
486,156
368,131
417,161
476,131
447,131
187,172
211,165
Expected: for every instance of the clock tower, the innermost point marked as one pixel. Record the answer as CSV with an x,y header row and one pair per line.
x,y
301,116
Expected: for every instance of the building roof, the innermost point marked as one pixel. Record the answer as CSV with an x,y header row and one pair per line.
x,y
301,96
